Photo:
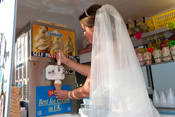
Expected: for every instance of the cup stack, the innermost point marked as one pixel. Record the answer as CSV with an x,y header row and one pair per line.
x,y
15,109
164,99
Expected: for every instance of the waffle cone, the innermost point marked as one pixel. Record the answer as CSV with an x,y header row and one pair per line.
x,y
57,86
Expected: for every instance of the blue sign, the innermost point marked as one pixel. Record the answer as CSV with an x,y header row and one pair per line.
x,y
47,104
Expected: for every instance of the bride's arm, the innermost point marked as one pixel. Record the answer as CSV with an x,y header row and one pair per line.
x,y
81,92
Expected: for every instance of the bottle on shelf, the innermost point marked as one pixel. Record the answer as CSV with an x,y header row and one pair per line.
x,y
136,27
171,100
129,31
144,27
163,102
156,99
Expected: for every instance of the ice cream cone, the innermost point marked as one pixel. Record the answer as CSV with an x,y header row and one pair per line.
x,y
58,44
43,42
57,84
69,48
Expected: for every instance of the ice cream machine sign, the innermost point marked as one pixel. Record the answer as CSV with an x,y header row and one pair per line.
x,y
47,104
47,41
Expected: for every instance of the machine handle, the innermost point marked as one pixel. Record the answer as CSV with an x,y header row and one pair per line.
x,y
59,61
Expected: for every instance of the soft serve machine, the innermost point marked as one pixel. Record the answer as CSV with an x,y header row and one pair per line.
x,y
36,71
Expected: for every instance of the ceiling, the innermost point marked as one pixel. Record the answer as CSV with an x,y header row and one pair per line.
x,y
66,12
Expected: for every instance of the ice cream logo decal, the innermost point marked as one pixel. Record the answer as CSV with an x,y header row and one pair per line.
x,y
55,33
50,92
46,43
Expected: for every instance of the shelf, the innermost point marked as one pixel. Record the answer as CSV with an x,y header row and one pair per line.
x,y
159,63
144,40
87,56
147,34
167,108
163,62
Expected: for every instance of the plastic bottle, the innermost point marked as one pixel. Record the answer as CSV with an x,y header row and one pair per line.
x,y
159,92
144,26
163,102
156,99
136,27
171,100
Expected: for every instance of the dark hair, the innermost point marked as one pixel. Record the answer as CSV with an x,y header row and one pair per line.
x,y
88,18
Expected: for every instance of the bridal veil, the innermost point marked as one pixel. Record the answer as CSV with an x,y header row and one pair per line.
x,y
117,86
